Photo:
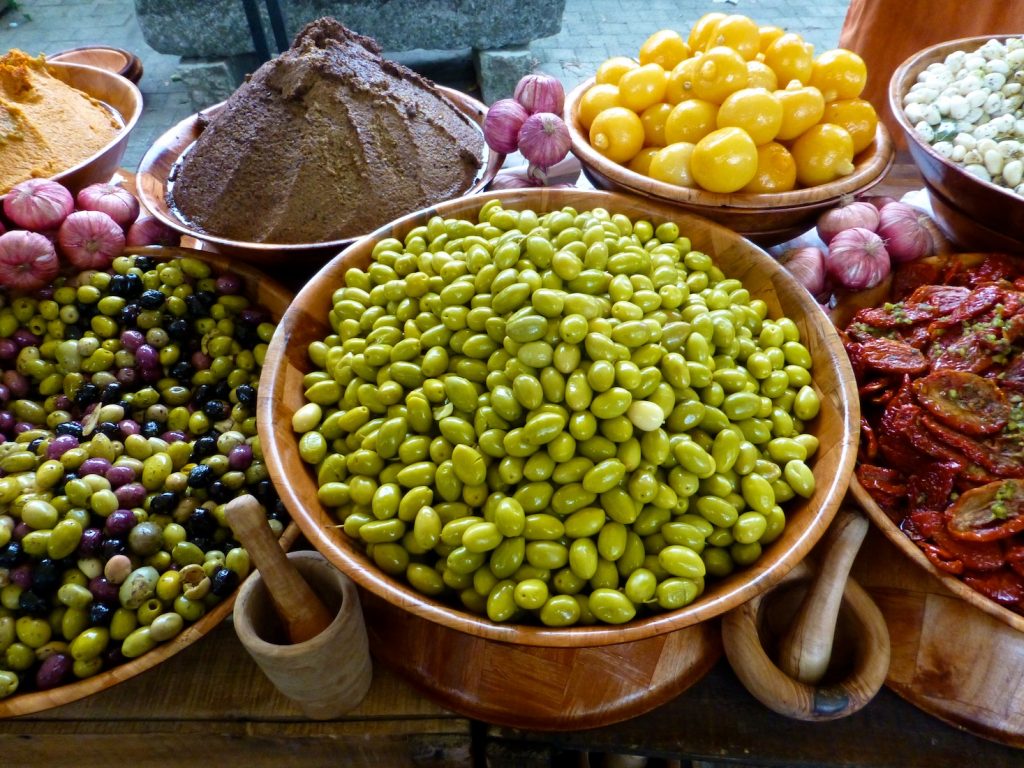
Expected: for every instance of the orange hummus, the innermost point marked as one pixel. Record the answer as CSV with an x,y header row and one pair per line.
x,y
46,126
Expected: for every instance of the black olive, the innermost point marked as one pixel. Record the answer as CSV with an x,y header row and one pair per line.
x,y
152,429
145,263
111,393
73,331
217,409
163,503
34,445
182,370
87,394
203,447
219,492
152,299
100,614
201,394
133,285
246,394
129,314
73,428
223,582
10,554
30,602
110,429
201,523
201,476
113,547
46,575
177,329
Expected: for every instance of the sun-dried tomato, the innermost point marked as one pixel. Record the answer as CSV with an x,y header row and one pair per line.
x,y
941,558
964,400
1005,586
978,302
994,267
911,276
881,479
929,489
941,298
993,511
891,356
967,353
983,453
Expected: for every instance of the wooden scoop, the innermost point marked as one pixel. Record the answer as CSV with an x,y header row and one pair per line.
x,y
789,686
301,611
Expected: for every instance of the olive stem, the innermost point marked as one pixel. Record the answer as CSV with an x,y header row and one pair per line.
x,y
806,648
300,609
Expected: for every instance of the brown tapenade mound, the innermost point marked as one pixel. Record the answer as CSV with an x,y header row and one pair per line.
x,y
327,141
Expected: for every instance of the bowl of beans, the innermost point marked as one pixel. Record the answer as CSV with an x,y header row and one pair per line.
x,y
555,422
958,104
128,420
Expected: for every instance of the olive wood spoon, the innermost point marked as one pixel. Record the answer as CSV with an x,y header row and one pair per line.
x,y
806,648
301,611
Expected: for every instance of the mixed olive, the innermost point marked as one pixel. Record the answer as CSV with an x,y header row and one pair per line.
x,y
570,417
127,422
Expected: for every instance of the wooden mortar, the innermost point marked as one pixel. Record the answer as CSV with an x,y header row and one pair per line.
x,y
300,620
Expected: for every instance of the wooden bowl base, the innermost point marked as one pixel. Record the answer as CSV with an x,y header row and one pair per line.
x,y
948,658
535,687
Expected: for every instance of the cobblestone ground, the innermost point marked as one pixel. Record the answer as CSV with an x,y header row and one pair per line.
x,y
592,30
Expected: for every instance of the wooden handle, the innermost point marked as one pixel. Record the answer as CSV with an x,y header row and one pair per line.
x,y
806,648
300,609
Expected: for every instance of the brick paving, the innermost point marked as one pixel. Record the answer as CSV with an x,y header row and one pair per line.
x,y
592,30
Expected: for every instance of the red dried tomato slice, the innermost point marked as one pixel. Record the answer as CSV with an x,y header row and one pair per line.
x,y
908,277
990,455
964,400
1005,587
996,266
930,488
943,298
900,315
979,301
993,511
881,479
966,353
891,356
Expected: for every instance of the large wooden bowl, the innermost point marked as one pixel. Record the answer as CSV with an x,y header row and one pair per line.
x,y
160,163
275,298
973,213
122,97
281,394
767,219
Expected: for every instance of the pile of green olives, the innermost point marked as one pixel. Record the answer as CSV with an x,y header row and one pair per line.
x,y
564,418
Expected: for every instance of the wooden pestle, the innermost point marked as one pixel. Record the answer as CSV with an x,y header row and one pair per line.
x,y
300,609
806,648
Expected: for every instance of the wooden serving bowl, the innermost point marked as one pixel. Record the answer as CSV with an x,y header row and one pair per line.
x,y
121,96
422,634
767,219
161,162
973,213
276,299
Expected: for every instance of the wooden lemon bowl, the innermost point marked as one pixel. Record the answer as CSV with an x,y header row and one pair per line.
x,y
275,298
767,219
281,394
159,165
122,97
973,213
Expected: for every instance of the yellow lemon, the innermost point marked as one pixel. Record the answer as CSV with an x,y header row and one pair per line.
x,y
756,110
776,170
617,133
823,153
724,161
671,164
691,121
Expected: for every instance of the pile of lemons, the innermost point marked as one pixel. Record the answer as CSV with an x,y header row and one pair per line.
x,y
733,107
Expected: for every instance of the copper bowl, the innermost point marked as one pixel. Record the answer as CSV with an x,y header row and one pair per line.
x,y
119,95
107,57
974,214
275,298
282,393
767,219
160,163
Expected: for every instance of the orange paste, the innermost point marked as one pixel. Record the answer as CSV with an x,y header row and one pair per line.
x,y
46,126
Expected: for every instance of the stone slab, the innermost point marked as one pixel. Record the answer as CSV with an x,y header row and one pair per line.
x,y
218,28
498,71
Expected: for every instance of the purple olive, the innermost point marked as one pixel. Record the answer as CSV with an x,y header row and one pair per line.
x,y
119,475
94,466
91,542
132,339
240,457
130,495
53,671
102,590
119,523
22,576
61,445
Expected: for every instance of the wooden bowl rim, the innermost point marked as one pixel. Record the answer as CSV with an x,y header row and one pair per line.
x,y
130,59
899,85
740,586
871,164
37,701
170,147
957,587
129,120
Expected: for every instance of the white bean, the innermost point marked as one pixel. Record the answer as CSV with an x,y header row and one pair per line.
x,y
993,162
1013,172
978,170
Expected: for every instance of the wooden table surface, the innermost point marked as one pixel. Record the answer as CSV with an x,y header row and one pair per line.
x,y
211,705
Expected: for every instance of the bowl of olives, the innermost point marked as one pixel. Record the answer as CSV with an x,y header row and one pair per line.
x,y
560,424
